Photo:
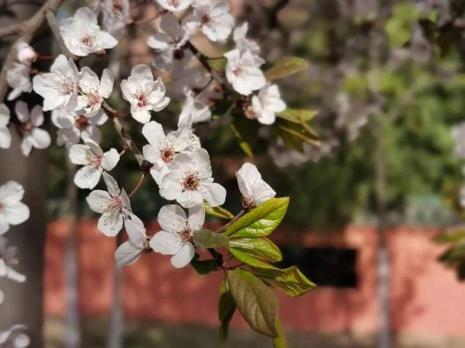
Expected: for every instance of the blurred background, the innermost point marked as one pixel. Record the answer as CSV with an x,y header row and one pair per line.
x,y
371,208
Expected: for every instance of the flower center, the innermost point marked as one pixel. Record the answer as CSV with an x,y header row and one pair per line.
x,y
94,99
205,19
96,160
68,86
237,71
175,3
88,40
248,203
25,128
191,182
142,101
186,235
167,154
116,203
81,122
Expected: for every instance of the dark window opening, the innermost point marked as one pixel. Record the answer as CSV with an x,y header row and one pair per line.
x,y
327,266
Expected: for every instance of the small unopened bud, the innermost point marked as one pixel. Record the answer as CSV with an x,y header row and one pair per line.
x,y
26,54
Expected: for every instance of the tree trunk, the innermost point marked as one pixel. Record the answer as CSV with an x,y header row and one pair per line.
x,y
24,302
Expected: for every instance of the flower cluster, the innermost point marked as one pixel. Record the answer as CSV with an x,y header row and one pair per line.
x,y
12,212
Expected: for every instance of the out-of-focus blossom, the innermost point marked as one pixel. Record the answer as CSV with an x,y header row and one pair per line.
x,y
5,136
33,136
12,210
82,34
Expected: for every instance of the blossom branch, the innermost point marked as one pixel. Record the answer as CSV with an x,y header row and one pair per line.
x,y
126,138
27,30
139,184
203,59
50,15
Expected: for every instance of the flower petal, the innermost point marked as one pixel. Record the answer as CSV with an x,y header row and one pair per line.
x,y
110,223
127,254
17,213
98,200
166,243
172,218
184,256
88,177
110,159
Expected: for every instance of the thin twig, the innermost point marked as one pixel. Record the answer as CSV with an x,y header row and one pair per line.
x,y
233,220
127,140
139,184
54,27
13,29
203,59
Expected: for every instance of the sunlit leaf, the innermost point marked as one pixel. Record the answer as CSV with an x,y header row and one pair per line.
x,y
261,221
286,66
261,248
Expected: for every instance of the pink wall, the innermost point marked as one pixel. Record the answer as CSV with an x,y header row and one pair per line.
x,y
426,298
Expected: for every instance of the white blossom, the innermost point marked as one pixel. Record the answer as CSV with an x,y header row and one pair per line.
x,y
33,136
7,260
59,87
144,93
170,40
14,337
82,34
243,73
266,105
5,136
174,5
162,149
113,204
12,210
243,44
190,181
25,54
115,16
73,126
93,91
214,19
253,188
19,79
196,108
94,162
176,236
130,251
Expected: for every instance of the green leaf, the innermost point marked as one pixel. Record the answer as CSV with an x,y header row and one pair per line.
x,y
209,239
249,259
261,221
261,248
255,301
295,135
298,115
280,341
218,212
286,66
291,280
226,309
